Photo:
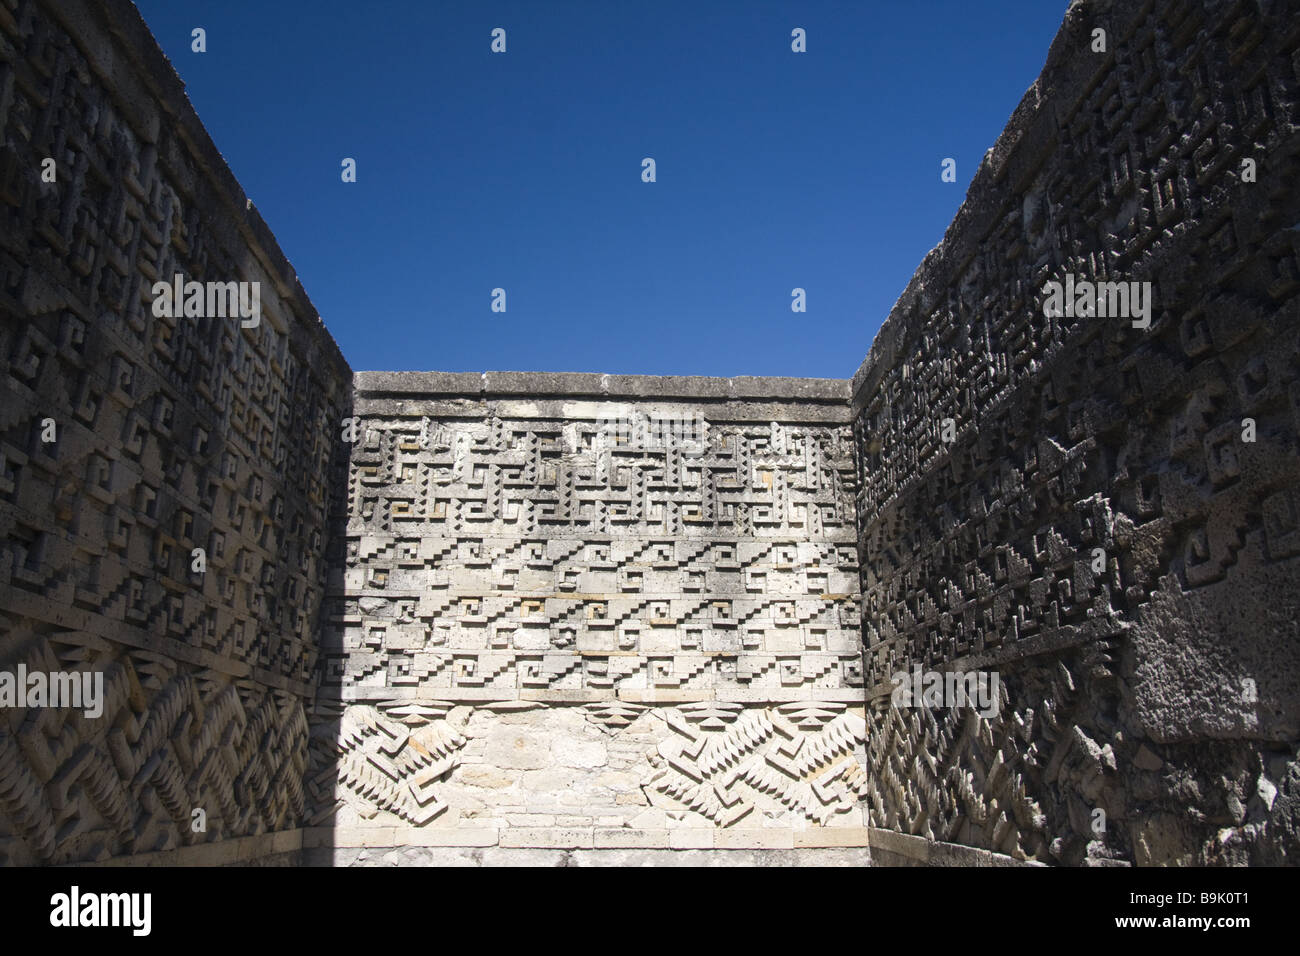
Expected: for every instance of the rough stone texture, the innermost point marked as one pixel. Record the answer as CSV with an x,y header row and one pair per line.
x,y
891,848
172,434
501,856
478,635
543,630
1162,691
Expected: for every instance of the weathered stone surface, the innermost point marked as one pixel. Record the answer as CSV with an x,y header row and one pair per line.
x,y
171,434
678,607
516,748
623,857
1144,698
490,631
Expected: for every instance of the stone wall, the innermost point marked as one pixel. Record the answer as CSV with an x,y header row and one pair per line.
x,y
168,435
1076,503
570,618
585,611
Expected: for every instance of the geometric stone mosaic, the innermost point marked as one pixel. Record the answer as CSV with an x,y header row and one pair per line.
x,y
1110,521
168,435
462,609
491,556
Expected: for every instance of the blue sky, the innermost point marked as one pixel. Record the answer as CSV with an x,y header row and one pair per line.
x,y
522,170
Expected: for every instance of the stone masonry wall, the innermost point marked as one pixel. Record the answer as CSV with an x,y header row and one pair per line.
x,y
545,633
497,619
1101,530
168,435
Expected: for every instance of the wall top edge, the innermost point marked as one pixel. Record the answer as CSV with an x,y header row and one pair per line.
x,y
979,211
825,391
99,27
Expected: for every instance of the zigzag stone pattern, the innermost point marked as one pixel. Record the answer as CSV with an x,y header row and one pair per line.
x,y
610,628
1100,531
805,756
633,775
169,435
170,739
